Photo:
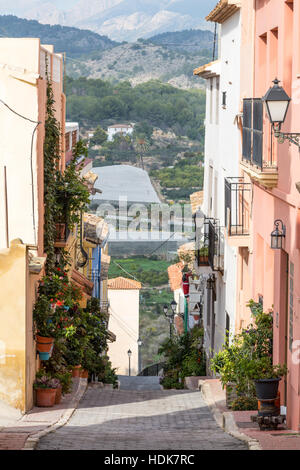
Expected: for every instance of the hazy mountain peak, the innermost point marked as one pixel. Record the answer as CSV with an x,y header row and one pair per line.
x,y
117,18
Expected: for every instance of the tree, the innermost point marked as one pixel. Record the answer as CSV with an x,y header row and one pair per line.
x,y
100,136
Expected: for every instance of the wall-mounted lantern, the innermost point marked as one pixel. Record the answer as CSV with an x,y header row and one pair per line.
x,y
211,281
278,236
277,102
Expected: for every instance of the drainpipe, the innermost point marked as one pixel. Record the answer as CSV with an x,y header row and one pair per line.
x,y
186,315
6,208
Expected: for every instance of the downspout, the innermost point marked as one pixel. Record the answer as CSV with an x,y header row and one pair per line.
x,y
83,252
186,315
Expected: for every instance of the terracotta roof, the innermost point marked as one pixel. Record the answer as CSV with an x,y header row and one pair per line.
x,y
121,126
121,283
175,275
208,70
196,201
223,10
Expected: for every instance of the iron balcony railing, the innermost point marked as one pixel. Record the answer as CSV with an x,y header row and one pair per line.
x,y
237,206
214,241
154,370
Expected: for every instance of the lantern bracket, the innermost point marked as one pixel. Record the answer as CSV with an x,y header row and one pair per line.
x,y
292,137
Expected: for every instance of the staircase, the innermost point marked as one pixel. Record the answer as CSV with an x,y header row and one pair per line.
x,y
139,383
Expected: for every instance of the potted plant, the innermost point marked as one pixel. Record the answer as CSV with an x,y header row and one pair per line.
x,y
45,327
46,388
266,377
202,256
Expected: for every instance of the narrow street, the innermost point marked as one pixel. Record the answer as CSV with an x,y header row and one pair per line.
x,y
139,416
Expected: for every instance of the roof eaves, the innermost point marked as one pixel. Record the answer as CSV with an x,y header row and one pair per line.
x,y
224,10
210,70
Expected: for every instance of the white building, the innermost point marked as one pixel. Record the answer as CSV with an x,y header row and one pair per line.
x,y
124,307
221,183
123,129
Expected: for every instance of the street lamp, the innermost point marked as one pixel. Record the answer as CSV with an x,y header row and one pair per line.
x,y
277,236
170,314
139,342
129,357
277,102
174,306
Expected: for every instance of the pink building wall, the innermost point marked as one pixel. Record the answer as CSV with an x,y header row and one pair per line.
x,y
276,274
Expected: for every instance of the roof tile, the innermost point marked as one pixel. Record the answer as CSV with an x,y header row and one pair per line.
x,y
121,283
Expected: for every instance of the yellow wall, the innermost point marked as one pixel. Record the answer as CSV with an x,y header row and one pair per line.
x,y
13,326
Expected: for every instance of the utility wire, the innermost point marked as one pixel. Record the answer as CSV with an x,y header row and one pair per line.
x,y
37,123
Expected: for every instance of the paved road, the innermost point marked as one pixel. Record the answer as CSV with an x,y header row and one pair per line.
x,y
140,420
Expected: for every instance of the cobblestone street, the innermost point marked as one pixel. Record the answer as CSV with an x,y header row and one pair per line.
x,y
141,420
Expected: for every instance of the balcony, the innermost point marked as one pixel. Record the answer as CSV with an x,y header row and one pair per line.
x,y
253,163
215,243
237,208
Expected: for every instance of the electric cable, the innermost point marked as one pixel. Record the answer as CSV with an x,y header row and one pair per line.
x,y
31,162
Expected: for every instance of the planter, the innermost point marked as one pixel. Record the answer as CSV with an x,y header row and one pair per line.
x,y
58,395
84,374
203,261
44,345
76,371
60,232
45,397
267,389
44,356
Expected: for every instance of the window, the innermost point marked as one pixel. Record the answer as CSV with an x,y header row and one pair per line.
x,y
74,138
67,139
224,99
253,131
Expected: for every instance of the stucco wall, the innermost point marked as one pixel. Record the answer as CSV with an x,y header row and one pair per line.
x,y
124,323
13,326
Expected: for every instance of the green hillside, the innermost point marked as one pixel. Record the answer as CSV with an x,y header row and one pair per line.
x,y
98,102
73,41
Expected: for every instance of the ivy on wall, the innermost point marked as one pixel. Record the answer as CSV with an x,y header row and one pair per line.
x,y
51,161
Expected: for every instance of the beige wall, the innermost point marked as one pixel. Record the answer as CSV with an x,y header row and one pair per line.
x,y
23,88
124,322
13,326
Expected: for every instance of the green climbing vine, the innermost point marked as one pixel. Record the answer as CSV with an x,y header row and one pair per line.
x,y
65,193
51,161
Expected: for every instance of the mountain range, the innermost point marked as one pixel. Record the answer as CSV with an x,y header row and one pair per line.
x,y
121,20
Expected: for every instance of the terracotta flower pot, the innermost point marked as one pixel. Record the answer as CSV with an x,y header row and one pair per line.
x,y
76,371
58,395
45,397
44,345
84,374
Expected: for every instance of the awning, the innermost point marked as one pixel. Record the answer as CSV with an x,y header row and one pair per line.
x,y
95,229
81,281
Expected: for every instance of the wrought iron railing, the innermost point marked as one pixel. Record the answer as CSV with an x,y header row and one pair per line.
x,y
237,206
153,371
215,245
